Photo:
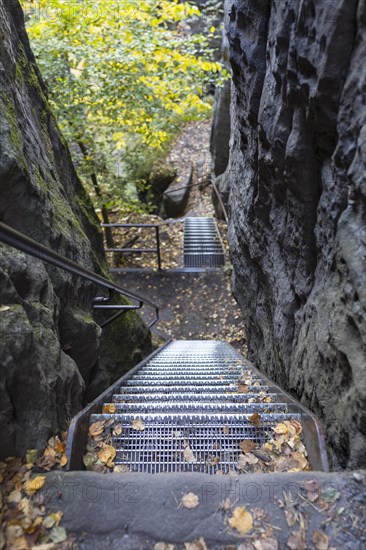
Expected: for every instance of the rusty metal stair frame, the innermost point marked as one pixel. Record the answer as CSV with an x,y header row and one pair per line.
x,y
195,406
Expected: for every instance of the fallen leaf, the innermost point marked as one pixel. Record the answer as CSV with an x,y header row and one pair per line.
x,y
226,505
138,424
96,428
196,544
226,430
190,500
110,408
121,469
290,518
89,460
107,455
58,534
242,388
247,445
297,541
280,429
4,308
255,419
63,461
265,544
31,456
163,546
117,430
188,455
320,540
241,520
34,485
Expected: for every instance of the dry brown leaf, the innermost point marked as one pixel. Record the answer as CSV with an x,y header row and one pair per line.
x,y
243,388
96,428
164,546
109,408
190,500
34,485
138,424
226,430
188,455
297,541
269,543
247,445
255,419
290,518
241,520
199,544
320,540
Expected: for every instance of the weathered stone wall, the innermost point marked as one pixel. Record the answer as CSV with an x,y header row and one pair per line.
x,y
49,341
298,203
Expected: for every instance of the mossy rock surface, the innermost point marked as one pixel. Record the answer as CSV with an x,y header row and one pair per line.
x,y
51,347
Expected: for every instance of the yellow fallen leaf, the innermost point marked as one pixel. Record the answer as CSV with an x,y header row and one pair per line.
x,y
138,424
190,500
110,408
34,485
241,520
107,454
96,428
4,308
226,430
63,461
280,429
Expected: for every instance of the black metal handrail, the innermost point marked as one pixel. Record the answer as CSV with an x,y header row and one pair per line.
x,y
138,250
18,240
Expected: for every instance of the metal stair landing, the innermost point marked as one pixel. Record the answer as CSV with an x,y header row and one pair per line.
x,y
181,411
202,246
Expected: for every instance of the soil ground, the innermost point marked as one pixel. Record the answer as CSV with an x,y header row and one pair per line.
x,y
192,305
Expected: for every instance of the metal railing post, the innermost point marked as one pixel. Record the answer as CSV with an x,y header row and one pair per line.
x,y
158,246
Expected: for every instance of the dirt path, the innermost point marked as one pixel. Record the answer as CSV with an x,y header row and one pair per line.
x,y
193,305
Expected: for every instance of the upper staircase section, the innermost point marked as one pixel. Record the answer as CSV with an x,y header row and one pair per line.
x,y
202,244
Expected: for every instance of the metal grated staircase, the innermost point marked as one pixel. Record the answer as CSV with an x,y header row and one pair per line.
x,y
202,243
186,399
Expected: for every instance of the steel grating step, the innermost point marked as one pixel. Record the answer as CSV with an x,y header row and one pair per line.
x,y
199,408
188,396
202,245
212,440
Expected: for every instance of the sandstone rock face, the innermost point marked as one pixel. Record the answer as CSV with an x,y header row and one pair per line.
x,y
298,203
49,341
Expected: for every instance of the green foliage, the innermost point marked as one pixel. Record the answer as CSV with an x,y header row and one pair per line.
x,y
123,79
